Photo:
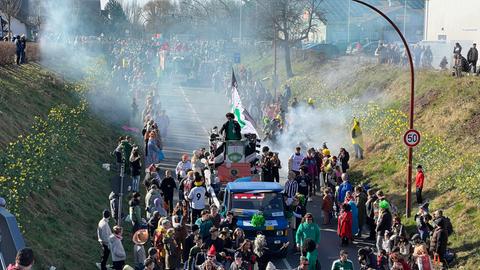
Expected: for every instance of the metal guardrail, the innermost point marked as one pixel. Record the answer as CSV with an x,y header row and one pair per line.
x,y
11,239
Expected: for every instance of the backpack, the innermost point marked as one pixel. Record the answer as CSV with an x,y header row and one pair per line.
x,y
448,226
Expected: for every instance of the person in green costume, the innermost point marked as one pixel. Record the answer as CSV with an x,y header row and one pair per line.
x,y
308,229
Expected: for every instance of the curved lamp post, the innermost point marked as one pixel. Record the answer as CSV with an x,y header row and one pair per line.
x,y
412,102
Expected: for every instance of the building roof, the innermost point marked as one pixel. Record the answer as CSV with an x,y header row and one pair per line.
x,y
254,186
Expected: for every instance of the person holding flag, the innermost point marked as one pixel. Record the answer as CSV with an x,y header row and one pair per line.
x,y
241,115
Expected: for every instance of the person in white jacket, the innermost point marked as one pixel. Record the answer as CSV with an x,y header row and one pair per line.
x,y
103,233
116,247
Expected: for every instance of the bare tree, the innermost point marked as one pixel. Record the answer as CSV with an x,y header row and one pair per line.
x,y
158,15
133,11
290,22
10,8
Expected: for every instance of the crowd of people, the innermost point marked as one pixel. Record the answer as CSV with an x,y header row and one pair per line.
x,y
174,218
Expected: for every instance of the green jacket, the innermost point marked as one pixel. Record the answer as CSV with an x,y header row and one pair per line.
x,y
135,213
306,230
204,227
346,265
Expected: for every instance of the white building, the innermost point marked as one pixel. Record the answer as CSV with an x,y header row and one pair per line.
x,y
452,20
17,27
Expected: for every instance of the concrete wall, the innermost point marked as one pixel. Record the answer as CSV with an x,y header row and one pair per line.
x,y
455,19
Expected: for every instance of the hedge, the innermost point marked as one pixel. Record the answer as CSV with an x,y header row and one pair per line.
x,y
7,52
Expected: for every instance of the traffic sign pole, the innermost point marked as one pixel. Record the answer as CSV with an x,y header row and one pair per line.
x,y
412,101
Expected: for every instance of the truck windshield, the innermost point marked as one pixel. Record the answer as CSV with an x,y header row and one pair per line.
x,y
271,204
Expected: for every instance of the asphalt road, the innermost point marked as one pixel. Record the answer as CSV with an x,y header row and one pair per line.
x,y
193,112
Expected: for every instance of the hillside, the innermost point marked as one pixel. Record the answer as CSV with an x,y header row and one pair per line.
x,y
59,217
447,116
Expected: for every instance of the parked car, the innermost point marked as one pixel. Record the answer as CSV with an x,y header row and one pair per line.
x,y
323,50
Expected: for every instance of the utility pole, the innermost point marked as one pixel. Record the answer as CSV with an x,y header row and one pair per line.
x,y
405,17
408,204
274,61
120,195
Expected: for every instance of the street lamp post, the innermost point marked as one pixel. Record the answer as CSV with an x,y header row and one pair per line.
x,y
412,101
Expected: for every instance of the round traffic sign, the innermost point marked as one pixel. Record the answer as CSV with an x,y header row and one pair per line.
x,y
411,138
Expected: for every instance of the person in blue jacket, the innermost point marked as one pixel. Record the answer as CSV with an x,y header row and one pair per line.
x,y
344,187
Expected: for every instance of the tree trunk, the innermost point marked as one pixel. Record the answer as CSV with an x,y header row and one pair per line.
x,y
9,19
288,61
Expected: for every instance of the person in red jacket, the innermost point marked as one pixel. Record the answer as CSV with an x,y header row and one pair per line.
x,y
23,261
345,221
419,183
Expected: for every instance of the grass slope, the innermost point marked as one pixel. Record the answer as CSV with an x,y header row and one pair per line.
x,y
445,107
61,225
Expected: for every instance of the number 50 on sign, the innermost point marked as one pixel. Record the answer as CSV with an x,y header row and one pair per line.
x,y
411,138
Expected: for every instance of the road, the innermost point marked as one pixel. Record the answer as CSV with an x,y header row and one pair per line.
x,y
194,111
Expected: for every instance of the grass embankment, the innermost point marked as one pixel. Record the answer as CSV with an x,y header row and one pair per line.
x,y
447,115
59,223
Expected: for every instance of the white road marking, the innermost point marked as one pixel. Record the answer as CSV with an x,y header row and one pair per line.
x,y
195,114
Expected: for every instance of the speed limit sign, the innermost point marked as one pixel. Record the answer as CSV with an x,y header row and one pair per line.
x,y
411,138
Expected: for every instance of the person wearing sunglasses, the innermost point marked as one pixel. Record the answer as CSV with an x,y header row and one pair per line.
x,y
303,263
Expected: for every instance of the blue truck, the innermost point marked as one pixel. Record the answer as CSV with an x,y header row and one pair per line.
x,y
244,198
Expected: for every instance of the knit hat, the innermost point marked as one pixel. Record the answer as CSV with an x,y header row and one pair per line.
x,y
212,251
326,152
384,204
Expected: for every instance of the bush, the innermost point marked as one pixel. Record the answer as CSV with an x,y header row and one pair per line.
x,y
31,162
7,52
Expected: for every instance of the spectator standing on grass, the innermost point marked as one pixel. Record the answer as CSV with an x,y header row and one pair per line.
x,y
419,180
23,261
103,233
23,41
135,211
472,57
457,50
116,247
18,49
357,139
136,167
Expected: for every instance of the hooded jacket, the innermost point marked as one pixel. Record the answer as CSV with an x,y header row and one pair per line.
x,y
357,136
116,247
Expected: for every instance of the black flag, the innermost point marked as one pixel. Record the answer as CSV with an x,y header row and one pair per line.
x,y
234,80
